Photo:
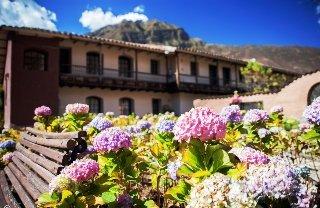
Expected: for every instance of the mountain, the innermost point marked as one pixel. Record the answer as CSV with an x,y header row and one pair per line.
x,y
296,58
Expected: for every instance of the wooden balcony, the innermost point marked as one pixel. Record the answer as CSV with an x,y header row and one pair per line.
x,y
114,79
131,80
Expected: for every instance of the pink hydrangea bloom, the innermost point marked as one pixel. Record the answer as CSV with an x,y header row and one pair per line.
x,y
200,123
236,98
77,108
81,170
42,111
6,158
250,156
112,139
276,109
255,116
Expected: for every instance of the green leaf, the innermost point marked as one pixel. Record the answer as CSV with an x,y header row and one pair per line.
x,y
179,193
193,155
47,198
108,197
220,160
67,197
150,204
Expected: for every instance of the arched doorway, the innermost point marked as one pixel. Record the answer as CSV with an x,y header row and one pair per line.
x,y
314,92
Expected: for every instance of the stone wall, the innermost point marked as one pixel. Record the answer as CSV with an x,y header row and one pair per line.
x,y
293,97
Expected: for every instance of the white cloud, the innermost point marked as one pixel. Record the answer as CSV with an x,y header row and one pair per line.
x,y
97,18
139,9
26,13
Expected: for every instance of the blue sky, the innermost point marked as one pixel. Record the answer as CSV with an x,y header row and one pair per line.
x,y
276,22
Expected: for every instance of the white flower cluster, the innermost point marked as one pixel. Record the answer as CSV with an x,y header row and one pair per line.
x,y
220,191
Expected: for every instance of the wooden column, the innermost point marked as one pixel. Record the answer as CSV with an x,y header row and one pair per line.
x,y
237,75
136,64
177,70
197,68
167,69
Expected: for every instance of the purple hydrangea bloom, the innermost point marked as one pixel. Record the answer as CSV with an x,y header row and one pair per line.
x,y
142,124
125,201
42,111
312,112
164,126
255,116
81,170
9,144
100,123
250,156
172,168
262,133
112,139
232,113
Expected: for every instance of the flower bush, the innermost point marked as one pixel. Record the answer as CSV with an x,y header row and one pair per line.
x,y
200,123
200,159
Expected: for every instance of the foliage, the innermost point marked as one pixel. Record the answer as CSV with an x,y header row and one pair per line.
x,y
262,79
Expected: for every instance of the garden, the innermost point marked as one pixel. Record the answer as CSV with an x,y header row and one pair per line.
x,y
200,159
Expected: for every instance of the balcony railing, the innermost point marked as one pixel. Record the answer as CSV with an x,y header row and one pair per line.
x,y
133,78
118,74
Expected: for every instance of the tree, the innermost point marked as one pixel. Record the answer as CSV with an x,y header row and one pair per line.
x,y
261,79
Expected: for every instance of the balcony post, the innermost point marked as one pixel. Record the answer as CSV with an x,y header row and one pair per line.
x,y
197,68
167,69
237,74
136,64
178,69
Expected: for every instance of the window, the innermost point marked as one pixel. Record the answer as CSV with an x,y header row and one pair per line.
x,y
156,106
213,74
313,93
251,105
125,67
154,66
35,60
241,77
226,75
95,104
126,106
65,60
193,68
93,63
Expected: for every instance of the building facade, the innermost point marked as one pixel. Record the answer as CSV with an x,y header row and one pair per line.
x,y
294,97
41,67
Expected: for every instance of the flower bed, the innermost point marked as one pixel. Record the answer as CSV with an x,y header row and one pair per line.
x,y
200,159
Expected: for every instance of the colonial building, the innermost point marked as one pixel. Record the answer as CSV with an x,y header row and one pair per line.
x,y
43,67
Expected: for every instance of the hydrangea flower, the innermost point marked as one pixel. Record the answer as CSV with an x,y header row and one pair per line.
x,y
249,155
262,133
112,139
81,170
77,108
220,191
254,116
276,109
236,98
200,123
278,180
100,123
164,126
125,201
61,182
312,112
6,158
172,168
43,111
144,124
9,144
232,113
305,127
